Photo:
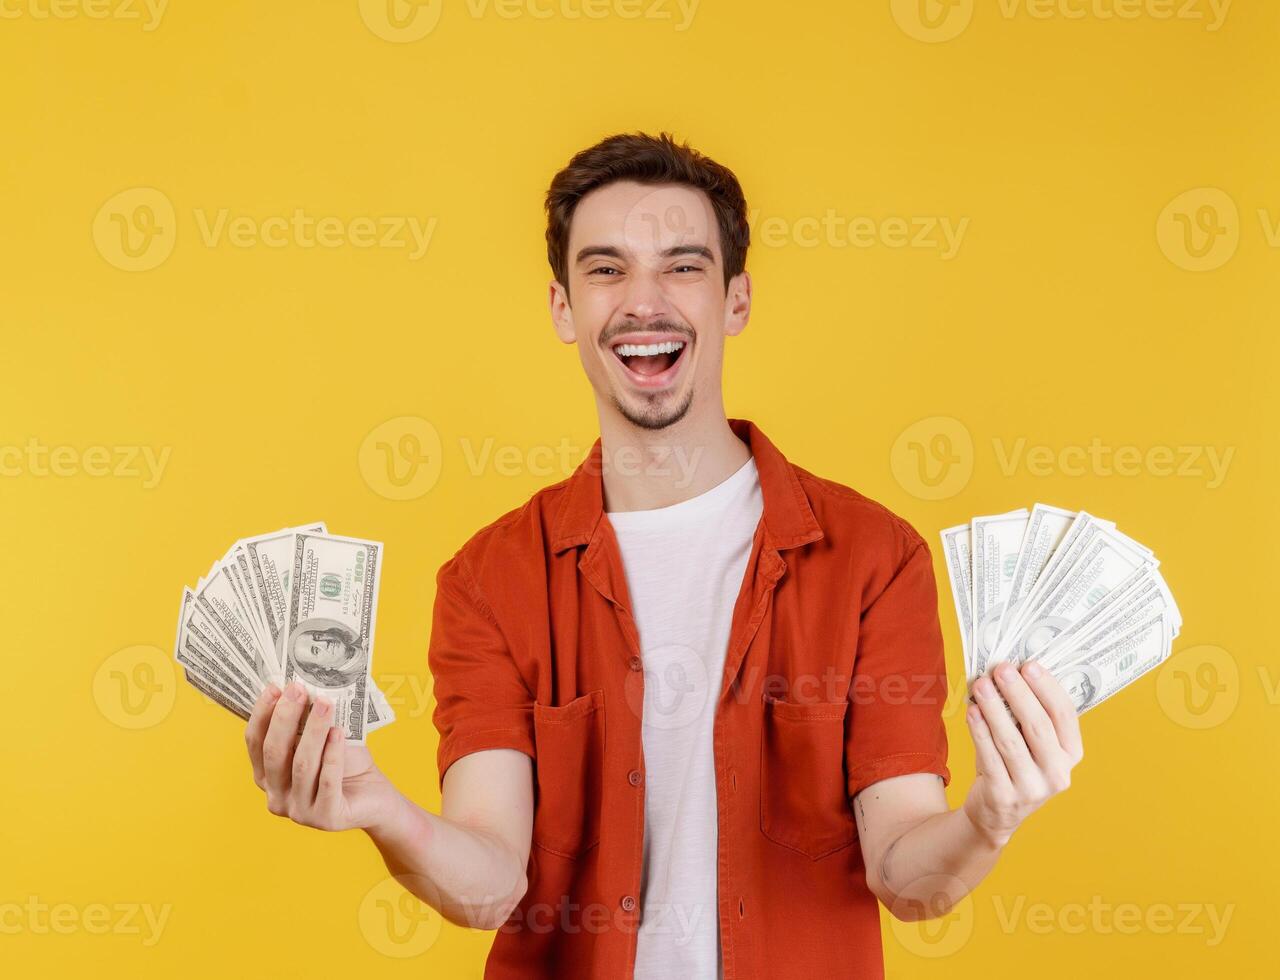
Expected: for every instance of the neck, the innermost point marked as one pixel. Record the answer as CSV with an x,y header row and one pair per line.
x,y
649,468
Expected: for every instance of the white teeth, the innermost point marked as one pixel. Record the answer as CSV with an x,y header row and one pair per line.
x,y
648,350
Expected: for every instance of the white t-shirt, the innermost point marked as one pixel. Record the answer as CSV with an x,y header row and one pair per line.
x,y
684,566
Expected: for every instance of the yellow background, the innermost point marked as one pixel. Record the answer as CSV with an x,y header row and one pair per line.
x,y
1066,316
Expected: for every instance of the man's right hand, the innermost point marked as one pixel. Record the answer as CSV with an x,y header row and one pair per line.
x,y
315,779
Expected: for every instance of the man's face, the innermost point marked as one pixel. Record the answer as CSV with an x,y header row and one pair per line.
x,y
649,308
321,651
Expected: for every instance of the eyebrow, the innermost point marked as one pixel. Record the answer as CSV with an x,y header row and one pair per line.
x,y
609,251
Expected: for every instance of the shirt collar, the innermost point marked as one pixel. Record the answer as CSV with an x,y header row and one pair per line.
x,y
787,515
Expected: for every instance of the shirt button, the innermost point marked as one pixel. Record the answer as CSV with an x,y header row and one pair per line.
x,y
628,903
634,777
634,663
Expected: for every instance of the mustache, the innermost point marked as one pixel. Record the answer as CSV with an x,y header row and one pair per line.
x,y
658,326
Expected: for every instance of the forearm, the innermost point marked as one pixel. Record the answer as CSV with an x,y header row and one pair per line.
x,y
466,873
932,865
922,858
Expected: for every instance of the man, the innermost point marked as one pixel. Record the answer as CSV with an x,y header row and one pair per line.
x,y
689,698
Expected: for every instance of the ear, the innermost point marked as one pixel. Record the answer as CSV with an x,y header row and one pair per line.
x,y
737,304
561,313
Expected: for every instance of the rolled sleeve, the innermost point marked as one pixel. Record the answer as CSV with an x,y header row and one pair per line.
x,y
899,686
482,700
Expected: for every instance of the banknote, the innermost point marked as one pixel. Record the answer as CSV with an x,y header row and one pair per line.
x,y
1112,617
1064,588
956,551
1092,679
1045,528
996,542
269,559
1078,534
1103,567
293,604
329,622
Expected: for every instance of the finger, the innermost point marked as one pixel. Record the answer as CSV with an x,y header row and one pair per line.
x,y
987,758
1008,740
256,729
1037,730
277,747
306,757
329,785
1058,706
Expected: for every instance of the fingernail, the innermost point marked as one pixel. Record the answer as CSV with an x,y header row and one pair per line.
x,y
1005,671
1032,669
972,713
273,692
983,688
322,706
296,692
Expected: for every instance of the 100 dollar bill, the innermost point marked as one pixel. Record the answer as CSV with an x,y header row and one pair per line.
x,y
329,623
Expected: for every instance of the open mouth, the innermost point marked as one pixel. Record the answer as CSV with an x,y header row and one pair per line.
x,y
651,365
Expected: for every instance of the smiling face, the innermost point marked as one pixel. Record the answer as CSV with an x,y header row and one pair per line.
x,y
649,306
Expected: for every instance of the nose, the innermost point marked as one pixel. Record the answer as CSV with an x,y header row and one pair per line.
x,y
644,298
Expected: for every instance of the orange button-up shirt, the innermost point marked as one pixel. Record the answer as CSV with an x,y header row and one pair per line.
x,y
833,679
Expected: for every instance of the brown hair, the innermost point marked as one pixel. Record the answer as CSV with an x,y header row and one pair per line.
x,y
647,160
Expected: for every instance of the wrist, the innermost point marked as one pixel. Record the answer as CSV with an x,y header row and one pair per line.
x,y
984,837
390,817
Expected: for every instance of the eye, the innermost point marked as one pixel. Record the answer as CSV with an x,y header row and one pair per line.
x,y
688,268
603,268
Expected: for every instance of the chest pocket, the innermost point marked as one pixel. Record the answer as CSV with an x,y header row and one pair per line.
x,y
570,745
802,785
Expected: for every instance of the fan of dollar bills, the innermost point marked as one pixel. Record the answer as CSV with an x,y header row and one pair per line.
x,y
297,604
1063,588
